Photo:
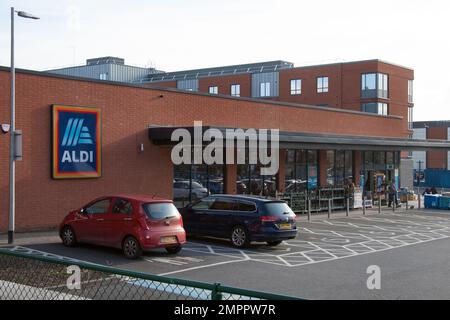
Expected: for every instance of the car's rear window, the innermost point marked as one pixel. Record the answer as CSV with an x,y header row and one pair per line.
x,y
277,209
160,210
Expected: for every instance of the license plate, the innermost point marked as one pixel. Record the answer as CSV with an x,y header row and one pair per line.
x,y
166,240
285,226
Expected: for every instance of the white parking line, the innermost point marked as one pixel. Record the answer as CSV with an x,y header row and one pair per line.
x,y
202,267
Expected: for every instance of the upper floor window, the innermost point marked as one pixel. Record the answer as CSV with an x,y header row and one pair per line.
x,y
236,90
374,85
376,107
214,90
410,117
296,87
410,91
103,76
322,84
383,85
265,89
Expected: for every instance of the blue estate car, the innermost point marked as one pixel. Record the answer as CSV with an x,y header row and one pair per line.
x,y
242,219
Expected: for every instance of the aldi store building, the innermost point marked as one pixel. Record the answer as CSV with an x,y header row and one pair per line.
x,y
87,138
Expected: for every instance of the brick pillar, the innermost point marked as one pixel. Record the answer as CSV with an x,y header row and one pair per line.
x,y
281,172
323,168
230,178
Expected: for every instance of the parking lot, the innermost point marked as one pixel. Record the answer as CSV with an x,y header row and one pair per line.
x,y
328,259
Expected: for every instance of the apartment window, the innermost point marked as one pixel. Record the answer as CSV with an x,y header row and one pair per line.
x,y
265,89
410,117
236,90
369,82
410,91
103,76
214,90
322,84
383,85
374,85
296,87
376,107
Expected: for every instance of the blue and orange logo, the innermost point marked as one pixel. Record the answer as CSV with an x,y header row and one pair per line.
x,y
76,142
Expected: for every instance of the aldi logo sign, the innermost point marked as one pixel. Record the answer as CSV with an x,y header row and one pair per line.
x,y
76,142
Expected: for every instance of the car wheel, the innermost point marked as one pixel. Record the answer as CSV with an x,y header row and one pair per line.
x,y
273,243
174,250
239,237
68,237
131,248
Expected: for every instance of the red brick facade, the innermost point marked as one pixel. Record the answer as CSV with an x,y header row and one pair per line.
x,y
127,111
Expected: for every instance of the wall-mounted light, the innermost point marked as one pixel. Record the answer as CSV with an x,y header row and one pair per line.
x,y
5,128
141,147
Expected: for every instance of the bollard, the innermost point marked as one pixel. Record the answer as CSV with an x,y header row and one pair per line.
x,y
348,207
329,208
406,202
418,197
309,209
364,206
379,203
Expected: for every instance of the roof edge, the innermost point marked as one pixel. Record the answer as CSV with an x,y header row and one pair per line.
x,y
174,90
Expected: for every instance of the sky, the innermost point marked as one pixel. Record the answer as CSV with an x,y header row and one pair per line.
x,y
178,35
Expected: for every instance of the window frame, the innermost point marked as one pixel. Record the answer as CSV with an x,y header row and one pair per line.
x,y
296,90
215,90
381,86
410,91
383,106
233,87
321,88
265,89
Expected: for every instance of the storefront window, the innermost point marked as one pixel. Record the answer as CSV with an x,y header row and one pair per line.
x,y
193,182
312,169
349,165
250,181
340,168
390,158
329,165
300,170
343,167
368,160
379,159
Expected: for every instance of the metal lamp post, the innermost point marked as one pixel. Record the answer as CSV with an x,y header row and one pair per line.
x,y
12,153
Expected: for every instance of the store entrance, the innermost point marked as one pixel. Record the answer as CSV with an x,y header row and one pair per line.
x,y
370,187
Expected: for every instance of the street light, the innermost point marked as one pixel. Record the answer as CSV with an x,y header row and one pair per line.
x,y
12,153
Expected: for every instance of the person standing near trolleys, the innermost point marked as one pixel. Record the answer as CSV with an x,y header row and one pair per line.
x,y
393,194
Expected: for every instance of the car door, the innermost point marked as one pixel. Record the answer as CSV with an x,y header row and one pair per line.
x,y
120,221
194,215
94,226
217,221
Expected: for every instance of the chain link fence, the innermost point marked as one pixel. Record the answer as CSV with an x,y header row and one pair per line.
x,y
29,277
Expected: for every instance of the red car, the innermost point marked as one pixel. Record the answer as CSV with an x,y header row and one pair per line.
x,y
132,223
